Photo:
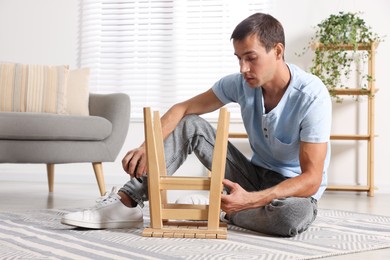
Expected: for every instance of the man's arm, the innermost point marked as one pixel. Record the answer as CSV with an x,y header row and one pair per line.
x,y
312,157
134,162
198,105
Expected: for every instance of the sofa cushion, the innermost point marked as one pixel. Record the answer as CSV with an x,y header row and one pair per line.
x,y
33,88
77,92
41,126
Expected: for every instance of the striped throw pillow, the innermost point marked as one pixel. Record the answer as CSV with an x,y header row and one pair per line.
x,y
77,92
33,88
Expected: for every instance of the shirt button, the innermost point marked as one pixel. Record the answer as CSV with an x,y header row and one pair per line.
x,y
265,129
266,136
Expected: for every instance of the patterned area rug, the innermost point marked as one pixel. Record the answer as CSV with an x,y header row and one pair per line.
x,y
39,235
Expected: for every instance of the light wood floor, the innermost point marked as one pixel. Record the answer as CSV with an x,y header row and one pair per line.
x,y
20,196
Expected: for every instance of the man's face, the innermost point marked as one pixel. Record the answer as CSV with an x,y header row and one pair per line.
x,y
256,65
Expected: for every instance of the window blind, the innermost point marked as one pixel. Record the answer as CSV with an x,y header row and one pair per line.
x,y
160,52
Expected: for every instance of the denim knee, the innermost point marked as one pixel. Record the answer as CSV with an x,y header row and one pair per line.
x,y
193,124
291,219
282,217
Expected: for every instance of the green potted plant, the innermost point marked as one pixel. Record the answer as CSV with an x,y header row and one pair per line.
x,y
335,44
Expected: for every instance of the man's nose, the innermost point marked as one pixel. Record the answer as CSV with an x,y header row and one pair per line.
x,y
244,67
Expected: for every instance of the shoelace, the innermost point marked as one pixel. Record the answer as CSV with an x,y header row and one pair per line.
x,y
107,198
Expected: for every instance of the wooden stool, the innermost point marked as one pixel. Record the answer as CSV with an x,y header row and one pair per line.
x,y
184,220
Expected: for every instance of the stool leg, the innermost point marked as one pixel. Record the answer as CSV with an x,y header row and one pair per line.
x,y
218,168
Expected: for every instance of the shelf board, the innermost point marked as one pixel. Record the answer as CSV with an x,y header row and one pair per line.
x,y
352,91
332,137
350,137
348,47
238,135
348,188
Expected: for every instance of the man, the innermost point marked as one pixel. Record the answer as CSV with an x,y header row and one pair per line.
x,y
287,116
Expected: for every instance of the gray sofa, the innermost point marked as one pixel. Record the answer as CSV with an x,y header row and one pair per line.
x,y
56,139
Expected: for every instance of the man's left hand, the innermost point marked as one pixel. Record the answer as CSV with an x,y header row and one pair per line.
x,y
238,198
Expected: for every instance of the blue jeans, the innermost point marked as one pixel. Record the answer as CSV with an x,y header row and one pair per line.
x,y
282,217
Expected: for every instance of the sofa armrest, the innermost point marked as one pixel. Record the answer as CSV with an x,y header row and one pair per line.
x,y
116,109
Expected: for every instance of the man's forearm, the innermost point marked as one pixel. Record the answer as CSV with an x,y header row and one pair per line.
x,y
171,118
300,186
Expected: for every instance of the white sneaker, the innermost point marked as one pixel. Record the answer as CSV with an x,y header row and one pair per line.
x,y
109,212
193,199
223,217
197,199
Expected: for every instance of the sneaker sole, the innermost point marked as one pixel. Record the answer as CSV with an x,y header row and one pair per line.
x,y
108,225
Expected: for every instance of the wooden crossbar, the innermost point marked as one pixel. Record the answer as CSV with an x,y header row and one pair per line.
x,y
184,183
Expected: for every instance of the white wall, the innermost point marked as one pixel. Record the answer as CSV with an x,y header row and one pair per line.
x,y
39,31
46,32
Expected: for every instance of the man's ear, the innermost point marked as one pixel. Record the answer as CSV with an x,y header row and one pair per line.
x,y
279,50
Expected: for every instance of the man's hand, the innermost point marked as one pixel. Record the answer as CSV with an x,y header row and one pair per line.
x,y
237,200
134,162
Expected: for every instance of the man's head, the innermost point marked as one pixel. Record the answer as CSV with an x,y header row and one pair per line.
x,y
259,46
268,30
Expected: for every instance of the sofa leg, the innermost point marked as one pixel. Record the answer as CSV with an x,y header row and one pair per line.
x,y
50,176
98,168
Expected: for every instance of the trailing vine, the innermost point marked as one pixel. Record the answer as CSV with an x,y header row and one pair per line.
x,y
334,65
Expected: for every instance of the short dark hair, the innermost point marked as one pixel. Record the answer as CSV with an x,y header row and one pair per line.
x,y
269,30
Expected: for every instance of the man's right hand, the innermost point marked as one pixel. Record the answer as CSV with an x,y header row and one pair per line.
x,y
134,162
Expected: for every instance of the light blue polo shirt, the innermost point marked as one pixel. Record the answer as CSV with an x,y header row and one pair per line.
x,y
303,114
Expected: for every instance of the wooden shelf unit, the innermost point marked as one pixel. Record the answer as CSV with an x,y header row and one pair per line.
x,y
370,135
